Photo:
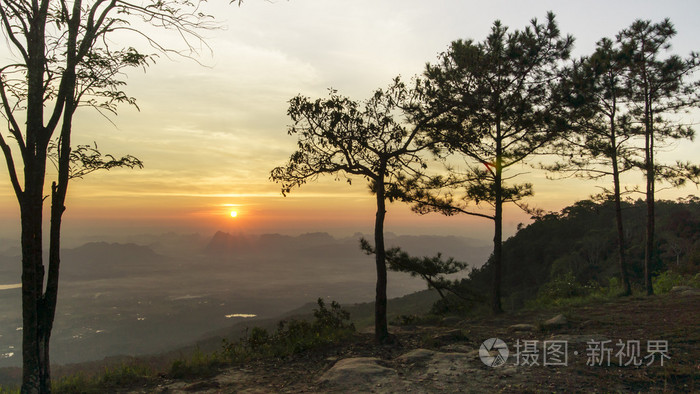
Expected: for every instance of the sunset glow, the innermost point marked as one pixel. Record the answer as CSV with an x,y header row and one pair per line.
x,y
207,160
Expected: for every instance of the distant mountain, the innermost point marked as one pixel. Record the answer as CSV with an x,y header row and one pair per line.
x,y
321,244
96,260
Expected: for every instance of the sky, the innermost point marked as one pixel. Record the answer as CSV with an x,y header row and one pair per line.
x,y
209,131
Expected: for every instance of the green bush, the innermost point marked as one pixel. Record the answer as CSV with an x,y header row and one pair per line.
x,y
664,282
563,286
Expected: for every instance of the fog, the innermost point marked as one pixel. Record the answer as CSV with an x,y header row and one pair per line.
x,y
159,292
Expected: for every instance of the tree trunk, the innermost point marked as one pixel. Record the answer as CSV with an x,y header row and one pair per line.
x,y
32,271
650,178
649,246
622,261
381,331
497,254
498,234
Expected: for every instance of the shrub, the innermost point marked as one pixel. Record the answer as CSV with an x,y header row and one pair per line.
x,y
564,286
664,282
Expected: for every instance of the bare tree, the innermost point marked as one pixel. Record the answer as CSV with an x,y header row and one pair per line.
x,y
65,61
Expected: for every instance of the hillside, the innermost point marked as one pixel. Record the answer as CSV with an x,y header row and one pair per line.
x,y
445,357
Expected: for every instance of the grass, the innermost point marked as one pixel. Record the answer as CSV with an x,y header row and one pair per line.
x,y
125,375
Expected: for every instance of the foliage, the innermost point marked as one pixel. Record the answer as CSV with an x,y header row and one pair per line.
x,y
86,159
665,281
330,326
373,139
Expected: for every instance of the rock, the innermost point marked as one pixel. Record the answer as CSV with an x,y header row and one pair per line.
x,y
357,372
522,327
452,335
555,322
451,321
681,289
416,355
692,291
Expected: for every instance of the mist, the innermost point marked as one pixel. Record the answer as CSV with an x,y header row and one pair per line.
x,y
160,291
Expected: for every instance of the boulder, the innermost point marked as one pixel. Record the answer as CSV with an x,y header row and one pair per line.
x,y
680,289
416,355
555,322
357,372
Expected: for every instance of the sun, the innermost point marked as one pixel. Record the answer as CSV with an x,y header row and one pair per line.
x,y
234,214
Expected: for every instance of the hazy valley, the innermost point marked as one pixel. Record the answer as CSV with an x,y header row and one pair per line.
x,y
162,291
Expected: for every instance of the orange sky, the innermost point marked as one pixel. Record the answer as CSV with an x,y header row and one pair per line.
x,y
209,135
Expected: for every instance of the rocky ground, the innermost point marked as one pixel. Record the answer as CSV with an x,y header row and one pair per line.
x,y
603,344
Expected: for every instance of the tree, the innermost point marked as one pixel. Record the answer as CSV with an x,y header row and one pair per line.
x,y
377,140
658,88
494,103
598,143
65,61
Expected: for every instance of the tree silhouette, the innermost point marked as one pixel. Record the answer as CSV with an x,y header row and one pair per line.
x,y
377,140
598,143
658,88
495,108
65,60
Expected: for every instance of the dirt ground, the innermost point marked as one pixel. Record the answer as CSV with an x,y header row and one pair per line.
x,y
667,325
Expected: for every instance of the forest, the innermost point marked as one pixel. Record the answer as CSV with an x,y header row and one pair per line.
x,y
573,253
